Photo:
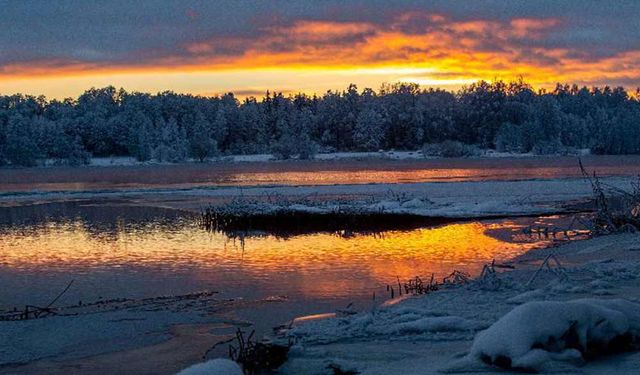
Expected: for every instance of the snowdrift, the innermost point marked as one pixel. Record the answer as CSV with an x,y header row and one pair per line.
x,y
536,335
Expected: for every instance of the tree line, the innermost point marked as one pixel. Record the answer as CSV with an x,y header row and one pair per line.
x,y
171,127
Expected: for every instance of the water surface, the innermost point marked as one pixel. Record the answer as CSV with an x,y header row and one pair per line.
x,y
119,251
309,173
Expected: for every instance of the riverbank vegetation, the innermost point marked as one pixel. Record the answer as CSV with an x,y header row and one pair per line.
x,y
171,127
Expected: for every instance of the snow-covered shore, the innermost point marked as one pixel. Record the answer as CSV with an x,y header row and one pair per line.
x,y
451,200
434,333
440,199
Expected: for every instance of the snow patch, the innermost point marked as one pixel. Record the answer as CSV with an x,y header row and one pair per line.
x,y
532,295
416,203
430,324
218,366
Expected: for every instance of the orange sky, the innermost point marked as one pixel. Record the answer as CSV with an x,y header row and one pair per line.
x,y
303,54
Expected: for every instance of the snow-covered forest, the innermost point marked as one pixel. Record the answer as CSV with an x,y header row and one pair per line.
x,y
170,127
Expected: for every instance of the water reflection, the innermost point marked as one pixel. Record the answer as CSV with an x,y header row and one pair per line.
x,y
120,251
309,173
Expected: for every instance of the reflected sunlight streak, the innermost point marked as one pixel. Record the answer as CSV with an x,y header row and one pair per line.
x,y
311,265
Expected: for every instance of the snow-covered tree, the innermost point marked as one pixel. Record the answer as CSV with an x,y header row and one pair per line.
x,y
144,142
172,145
200,142
21,147
369,131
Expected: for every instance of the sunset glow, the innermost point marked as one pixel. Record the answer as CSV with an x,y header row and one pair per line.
x,y
317,49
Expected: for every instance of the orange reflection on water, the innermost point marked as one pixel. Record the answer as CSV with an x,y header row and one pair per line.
x,y
310,265
390,176
318,172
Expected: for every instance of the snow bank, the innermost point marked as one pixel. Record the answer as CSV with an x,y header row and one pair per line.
x,y
218,366
534,335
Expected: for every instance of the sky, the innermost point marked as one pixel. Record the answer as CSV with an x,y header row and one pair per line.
x,y
61,48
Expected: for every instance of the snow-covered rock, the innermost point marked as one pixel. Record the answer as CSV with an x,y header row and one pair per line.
x,y
534,335
218,366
